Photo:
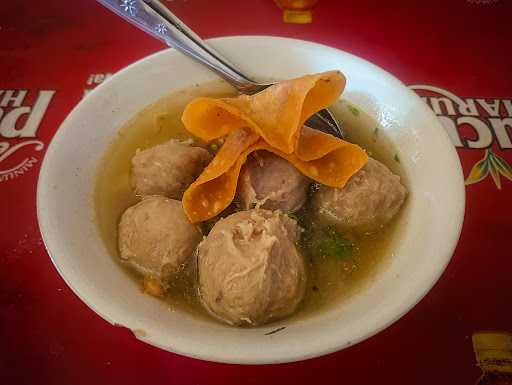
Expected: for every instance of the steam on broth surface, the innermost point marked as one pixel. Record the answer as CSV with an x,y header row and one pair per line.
x,y
330,278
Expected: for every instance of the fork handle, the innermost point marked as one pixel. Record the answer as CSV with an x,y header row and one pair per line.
x,y
155,19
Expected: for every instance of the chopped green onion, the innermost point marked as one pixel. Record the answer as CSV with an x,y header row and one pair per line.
x,y
333,244
325,242
353,109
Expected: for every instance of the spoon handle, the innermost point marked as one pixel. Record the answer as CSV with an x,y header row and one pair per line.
x,y
155,19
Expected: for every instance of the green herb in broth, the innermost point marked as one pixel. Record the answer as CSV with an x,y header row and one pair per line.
x,y
345,263
353,110
321,241
328,242
214,147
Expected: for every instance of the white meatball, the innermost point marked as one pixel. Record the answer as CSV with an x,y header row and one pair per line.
x,y
168,169
271,182
250,271
369,199
156,237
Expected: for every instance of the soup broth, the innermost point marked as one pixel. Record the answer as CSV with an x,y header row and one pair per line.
x,y
330,279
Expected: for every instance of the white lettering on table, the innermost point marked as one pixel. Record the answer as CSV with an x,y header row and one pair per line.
x,y
489,119
19,123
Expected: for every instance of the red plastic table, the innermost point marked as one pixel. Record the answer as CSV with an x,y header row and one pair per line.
x,y
459,50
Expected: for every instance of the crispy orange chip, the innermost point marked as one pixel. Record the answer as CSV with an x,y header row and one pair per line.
x,y
276,113
215,188
271,120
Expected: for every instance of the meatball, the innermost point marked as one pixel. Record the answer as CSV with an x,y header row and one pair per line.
x,y
168,169
271,182
369,199
250,271
156,237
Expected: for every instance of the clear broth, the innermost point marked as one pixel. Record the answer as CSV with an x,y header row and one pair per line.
x,y
329,279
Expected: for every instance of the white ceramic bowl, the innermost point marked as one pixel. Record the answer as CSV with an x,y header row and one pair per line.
x,y
431,222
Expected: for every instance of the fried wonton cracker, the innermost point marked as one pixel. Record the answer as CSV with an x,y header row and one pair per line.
x,y
271,120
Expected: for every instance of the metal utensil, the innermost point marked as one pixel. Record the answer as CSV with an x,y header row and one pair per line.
x,y
155,19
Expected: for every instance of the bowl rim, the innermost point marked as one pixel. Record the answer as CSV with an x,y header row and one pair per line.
x,y
293,356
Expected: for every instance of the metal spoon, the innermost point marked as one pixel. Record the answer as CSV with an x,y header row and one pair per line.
x,y
154,18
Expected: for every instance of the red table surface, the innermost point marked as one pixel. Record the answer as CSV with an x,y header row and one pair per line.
x,y
48,336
